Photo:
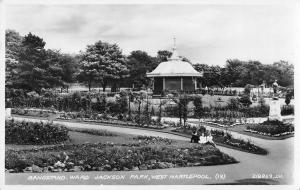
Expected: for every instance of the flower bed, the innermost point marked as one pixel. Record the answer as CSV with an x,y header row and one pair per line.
x,y
34,133
226,138
271,128
82,116
98,132
148,153
223,138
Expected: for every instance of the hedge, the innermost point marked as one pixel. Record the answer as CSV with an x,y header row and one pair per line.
x,y
25,132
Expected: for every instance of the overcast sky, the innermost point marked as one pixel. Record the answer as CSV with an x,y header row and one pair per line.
x,y
208,34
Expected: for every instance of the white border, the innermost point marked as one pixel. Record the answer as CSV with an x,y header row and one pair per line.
x,y
293,3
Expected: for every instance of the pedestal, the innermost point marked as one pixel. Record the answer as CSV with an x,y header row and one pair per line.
x,y
275,110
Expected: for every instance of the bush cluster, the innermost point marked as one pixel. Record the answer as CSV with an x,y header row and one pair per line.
x,y
287,110
226,138
222,137
77,101
271,128
34,133
97,132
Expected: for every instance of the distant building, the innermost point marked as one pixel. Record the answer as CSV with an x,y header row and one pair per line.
x,y
174,75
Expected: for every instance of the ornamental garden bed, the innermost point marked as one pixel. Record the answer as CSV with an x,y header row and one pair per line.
x,y
271,128
98,150
79,116
225,139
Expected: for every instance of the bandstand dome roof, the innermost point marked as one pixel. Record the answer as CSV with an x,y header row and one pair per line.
x,y
174,67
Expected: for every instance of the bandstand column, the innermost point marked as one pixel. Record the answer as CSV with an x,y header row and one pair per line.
x,y
164,83
181,83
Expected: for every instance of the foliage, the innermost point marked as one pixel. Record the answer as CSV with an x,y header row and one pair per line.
x,y
97,132
139,63
163,55
239,73
198,110
13,42
31,67
271,128
245,100
102,62
225,138
143,155
289,95
234,104
34,133
287,110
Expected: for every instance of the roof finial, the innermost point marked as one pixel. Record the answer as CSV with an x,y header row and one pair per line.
x,y
174,53
174,48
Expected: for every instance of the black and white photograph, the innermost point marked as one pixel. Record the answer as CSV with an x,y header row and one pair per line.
x,y
149,93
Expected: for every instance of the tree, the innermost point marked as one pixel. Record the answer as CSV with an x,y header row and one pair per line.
x,y
104,63
62,67
198,110
245,99
13,42
251,73
88,72
139,63
232,72
163,55
32,67
286,73
212,75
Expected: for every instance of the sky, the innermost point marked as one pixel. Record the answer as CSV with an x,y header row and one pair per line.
x,y
208,34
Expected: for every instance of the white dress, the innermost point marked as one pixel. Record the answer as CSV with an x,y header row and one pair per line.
x,y
202,140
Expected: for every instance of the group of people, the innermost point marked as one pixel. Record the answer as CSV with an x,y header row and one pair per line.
x,y
202,139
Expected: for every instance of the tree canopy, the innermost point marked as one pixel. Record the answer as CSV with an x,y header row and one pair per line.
x,y
30,66
104,63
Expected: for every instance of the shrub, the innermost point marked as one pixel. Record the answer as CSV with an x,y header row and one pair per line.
x,y
233,104
287,110
271,128
97,132
198,111
245,100
34,133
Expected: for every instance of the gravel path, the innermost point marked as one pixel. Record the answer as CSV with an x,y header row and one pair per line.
x,y
279,161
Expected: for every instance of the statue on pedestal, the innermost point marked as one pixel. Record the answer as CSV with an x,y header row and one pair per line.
x,y
275,111
275,87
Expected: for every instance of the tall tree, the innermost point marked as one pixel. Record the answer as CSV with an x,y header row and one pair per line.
x,y
139,63
32,69
13,42
104,63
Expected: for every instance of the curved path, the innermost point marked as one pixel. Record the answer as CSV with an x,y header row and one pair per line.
x,y
279,161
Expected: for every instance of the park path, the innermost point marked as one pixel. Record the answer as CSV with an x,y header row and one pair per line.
x,y
279,161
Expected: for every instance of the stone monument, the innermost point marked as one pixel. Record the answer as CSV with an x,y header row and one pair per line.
x,y
275,110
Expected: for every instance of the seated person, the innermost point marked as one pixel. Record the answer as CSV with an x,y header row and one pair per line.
x,y
209,139
195,137
202,139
